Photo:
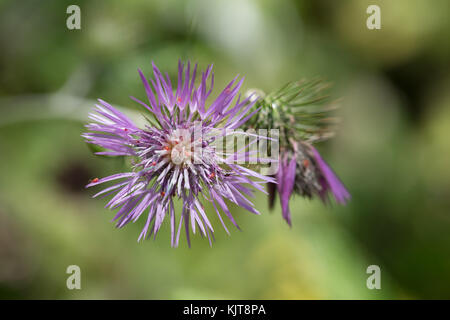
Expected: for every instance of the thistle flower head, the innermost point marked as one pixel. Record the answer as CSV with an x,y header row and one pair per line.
x,y
300,112
176,155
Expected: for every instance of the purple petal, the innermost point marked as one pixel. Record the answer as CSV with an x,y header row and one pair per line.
x,y
286,179
331,180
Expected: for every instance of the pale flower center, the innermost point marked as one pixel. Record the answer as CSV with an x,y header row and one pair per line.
x,y
181,152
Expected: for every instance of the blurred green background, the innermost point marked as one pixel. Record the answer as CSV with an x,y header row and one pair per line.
x,y
392,149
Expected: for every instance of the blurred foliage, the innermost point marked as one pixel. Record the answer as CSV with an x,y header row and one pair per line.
x,y
392,148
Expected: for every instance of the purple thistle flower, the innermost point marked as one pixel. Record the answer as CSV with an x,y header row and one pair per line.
x,y
304,172
300,113
175,155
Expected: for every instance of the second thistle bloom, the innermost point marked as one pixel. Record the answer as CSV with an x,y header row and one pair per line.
x,y
299,113
175,155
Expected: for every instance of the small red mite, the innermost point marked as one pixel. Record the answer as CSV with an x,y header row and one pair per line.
x,y
94,180
179,100
162,193
305,163
153,163
166,148
212,175
125,129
